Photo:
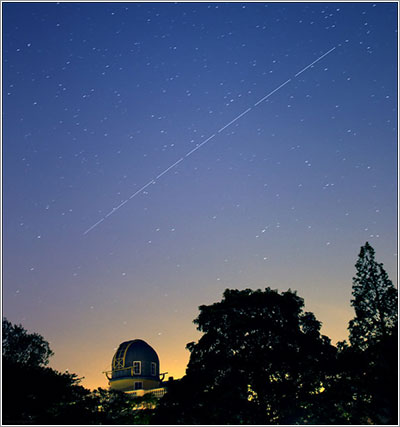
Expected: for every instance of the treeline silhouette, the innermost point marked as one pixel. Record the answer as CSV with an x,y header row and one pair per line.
x,y
261,360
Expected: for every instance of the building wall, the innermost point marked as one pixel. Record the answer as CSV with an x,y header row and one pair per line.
x,y
128,384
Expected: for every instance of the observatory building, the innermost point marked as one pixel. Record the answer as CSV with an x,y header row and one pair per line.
x,y
135,369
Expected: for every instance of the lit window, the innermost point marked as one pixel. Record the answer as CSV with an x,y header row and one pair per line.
x,y
138,385
136,368
153,369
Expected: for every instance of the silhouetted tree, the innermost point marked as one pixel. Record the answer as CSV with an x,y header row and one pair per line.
x,y
370,363
21,347
117,407
41,395
375,301
364,388
261,360
36,394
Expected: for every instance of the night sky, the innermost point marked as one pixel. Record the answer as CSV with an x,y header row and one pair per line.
x,y
100,99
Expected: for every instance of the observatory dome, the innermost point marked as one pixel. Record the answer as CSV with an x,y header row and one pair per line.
x,y
135,366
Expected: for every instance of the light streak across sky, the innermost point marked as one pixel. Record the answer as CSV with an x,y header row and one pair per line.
x,y
105,101
153,181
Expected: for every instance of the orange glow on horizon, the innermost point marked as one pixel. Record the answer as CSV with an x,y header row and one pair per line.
x,y
170,348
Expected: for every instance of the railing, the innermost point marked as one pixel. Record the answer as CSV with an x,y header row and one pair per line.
x,y
160,376
158,392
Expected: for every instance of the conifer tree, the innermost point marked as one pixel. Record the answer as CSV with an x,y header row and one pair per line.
x,y
375,301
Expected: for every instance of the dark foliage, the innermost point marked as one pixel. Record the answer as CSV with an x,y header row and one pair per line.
x,y
261,360
35,394
364,389
38,395
372,358
375,301
21,347
116,407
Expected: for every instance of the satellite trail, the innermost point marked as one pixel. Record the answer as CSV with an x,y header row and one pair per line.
x,y
154,180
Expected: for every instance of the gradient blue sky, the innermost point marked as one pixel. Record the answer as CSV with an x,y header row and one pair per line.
x,y
100,98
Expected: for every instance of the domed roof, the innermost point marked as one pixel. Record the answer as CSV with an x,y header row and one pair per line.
x,y
136,350
135,366
135,358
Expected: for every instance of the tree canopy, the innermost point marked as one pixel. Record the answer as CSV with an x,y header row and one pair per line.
x,y
24,348
261,360
36,394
